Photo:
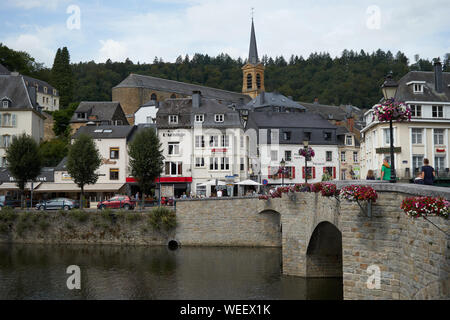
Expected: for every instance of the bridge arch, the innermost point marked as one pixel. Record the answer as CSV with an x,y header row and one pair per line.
x,y
324,252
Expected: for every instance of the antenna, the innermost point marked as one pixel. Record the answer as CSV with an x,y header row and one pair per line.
x,y
253,12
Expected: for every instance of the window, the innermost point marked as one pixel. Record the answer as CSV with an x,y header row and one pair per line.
x,y
149,119
249,81
4,162
287,135
213,163
43,100
173,168
199,118
45,89
199,162
416,111
329,156
439,163
153,97
6,141
258,80
54,102
81,115
288,155
342,156
5,103
438,111
355,156
343,174
54,92
242,141
225,141
387,136
417,163
274,155
118,122
418,88
438,136
214,141
6,120
225,164
349,140
307,136
327,136
218,117
173,119
242,167
199,141
114,153
274,138
416,136
113,174
174,148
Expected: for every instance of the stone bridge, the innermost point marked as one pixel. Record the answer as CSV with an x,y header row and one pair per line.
x,y
324,237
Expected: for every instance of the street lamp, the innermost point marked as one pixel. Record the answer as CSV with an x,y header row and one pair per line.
x,y
305,146
389,88
282,164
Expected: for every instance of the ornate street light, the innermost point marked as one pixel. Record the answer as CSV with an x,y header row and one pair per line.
x,y
305,146
389,88
282,164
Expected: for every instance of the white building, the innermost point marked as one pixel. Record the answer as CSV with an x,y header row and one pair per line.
x,y
425,136
46,95
19,112
202,140
146,114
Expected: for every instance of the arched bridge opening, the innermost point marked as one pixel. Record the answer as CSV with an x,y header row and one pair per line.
x,y
324,253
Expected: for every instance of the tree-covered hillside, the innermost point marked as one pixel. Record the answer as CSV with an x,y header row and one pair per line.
x,y
352,78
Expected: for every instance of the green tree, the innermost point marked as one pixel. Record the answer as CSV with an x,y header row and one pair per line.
x,y
146,159
62,76
24,161
83,160
53,151
61,120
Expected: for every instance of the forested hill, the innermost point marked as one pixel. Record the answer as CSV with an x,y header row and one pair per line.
x,y
352,78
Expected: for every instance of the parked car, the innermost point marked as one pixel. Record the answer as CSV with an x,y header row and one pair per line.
x,y
58,203
7,201
118,202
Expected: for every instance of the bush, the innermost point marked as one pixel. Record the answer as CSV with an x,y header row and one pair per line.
x,y
79,215
7,214
162,218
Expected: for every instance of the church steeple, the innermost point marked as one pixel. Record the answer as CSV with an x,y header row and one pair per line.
x,y
253,71
253,52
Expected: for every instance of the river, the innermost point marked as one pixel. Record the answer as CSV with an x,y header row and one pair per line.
x,y
135,272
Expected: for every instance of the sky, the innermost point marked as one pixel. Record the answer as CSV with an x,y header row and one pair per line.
x,y
140,30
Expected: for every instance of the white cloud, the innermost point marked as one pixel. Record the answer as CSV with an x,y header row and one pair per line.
x,y
114,50
32,4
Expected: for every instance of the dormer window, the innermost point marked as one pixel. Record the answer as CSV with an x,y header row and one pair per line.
x,y
218,117
54,92
5,104
173,119
45,89
327,136
81,115
348,140
199,118
418,88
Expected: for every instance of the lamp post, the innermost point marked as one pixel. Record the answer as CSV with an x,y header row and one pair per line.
x,y
282,164
305,146
389,88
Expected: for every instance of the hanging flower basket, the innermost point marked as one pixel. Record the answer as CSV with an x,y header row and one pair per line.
x,y
359,193
392,110
329,190
316,187
307,153
426,206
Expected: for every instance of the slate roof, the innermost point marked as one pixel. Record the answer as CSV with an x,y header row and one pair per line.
x,y
62,166
186,114
288,120
47,175
272,99
253,50
105,132
103,110
405,92
41,84
341,132
338,113
159,84
13,87
4,70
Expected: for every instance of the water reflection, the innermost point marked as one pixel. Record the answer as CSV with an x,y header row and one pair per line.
x,y
128,272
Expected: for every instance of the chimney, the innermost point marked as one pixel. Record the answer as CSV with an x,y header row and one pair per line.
x,y
316,100
196,99
262,97
350,124
438,86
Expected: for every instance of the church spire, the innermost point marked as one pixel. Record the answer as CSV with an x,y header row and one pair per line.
x,y
253,52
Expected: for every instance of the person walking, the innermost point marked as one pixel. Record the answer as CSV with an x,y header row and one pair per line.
x,y
427,173
386,170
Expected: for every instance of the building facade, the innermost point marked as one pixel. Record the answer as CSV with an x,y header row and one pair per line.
x,y
46,95
425,136
202,141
